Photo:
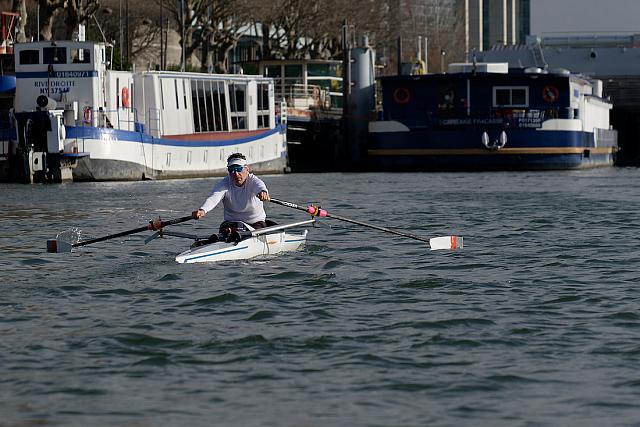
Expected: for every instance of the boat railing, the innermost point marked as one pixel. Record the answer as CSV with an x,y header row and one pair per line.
x,y
154,122
526,116
119,118
4,151
301,96
125,118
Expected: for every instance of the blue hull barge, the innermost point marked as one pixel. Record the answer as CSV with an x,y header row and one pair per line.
x,y
489,117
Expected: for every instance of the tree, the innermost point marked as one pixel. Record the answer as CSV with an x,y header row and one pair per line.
x,y
225,23
313,29
20,7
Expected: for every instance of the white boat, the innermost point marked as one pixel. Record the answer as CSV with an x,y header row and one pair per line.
x,y
77,119
249,244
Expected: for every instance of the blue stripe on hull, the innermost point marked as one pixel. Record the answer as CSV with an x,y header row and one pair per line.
x,y
124,135
234,249
57,74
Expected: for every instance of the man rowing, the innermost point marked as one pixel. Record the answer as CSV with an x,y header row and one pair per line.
x,y
241,193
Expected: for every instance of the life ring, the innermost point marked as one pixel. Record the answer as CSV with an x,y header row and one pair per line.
x,y
125,97
550,94
87,114
401,95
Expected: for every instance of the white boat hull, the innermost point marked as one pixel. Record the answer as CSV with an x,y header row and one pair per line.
x,y
122,155
252,247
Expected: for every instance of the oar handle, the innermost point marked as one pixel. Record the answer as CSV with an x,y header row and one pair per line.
x,y
153,226
311,209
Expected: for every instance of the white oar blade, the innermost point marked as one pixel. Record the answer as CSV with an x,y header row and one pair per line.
x,y
58,246
446,242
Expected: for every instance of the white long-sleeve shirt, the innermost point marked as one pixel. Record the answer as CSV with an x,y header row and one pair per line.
x,y
240,203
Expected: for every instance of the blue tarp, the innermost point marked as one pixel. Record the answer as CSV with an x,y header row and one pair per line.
x,y
7,84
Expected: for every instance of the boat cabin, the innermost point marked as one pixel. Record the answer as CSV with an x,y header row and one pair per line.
x,y
486,94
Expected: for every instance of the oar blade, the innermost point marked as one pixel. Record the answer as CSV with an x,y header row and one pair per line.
x,y
58,246
446,242
152,237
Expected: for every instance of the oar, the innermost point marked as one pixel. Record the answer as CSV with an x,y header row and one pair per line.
x,y
62,246
446,242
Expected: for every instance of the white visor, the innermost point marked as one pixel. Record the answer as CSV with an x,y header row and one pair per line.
x,y
241,162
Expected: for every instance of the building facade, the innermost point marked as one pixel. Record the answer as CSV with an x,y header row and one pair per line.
x,y
491,22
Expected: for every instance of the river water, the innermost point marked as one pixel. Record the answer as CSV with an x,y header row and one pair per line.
x,y
535,322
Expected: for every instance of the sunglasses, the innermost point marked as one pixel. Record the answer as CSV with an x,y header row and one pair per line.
x,y
235,168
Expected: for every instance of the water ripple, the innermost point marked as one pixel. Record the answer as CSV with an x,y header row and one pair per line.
x,y
535,322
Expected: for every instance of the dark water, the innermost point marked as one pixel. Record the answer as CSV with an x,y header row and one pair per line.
x,y
536,322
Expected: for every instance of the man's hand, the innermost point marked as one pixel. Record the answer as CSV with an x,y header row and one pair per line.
x,y
263,196
198,214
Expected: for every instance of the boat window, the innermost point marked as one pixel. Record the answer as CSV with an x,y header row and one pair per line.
x,y
516,96
275,71
211,126
118,93
202,106
220,103
238,105
80,56
263,105
446,99
175,86
196,106
28,57
184,92
322,70
54,55
162,93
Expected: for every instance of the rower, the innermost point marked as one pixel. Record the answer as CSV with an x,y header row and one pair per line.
x,y
241,194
